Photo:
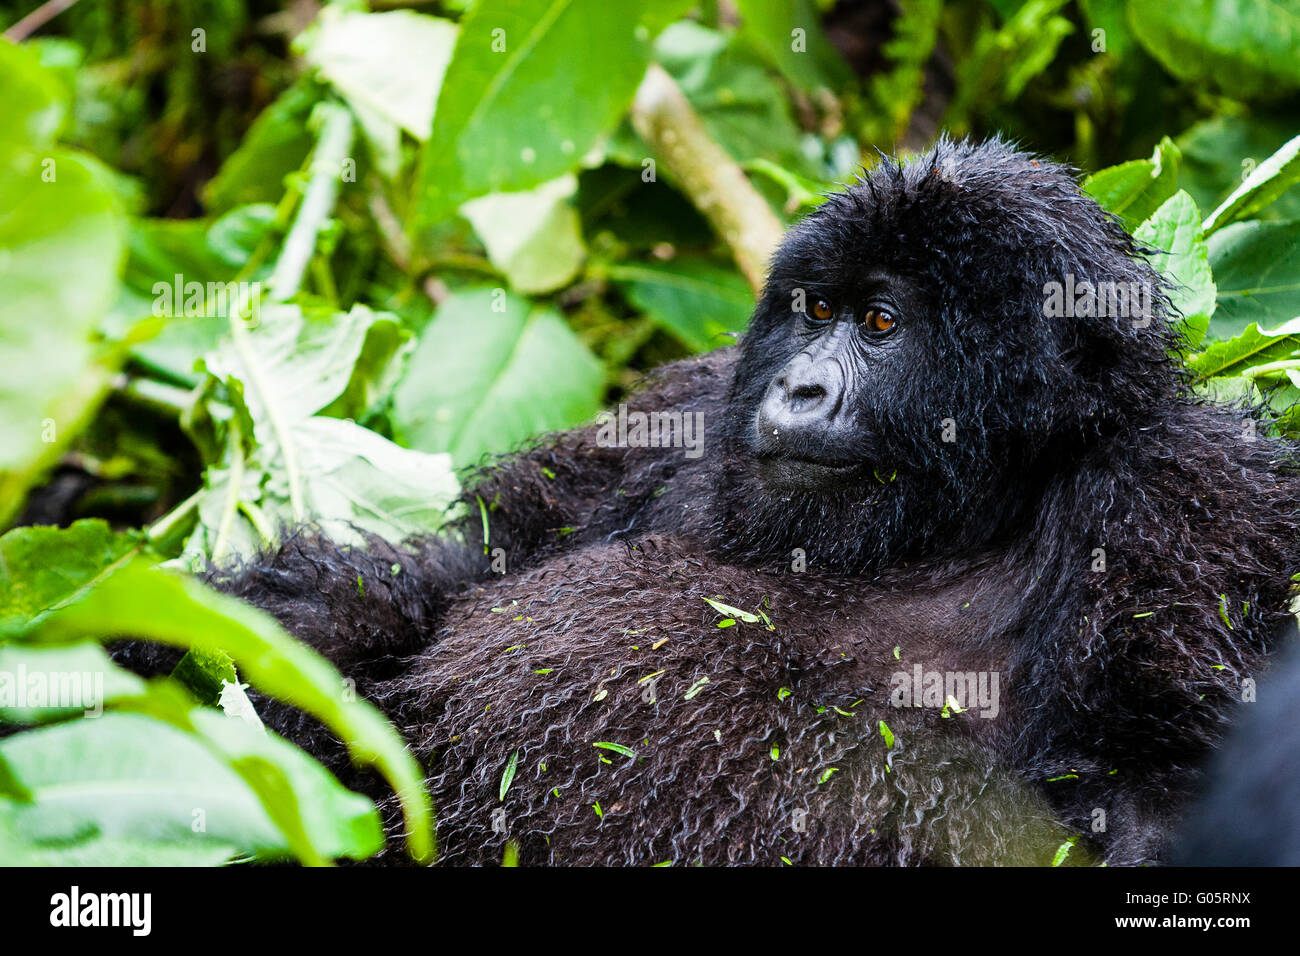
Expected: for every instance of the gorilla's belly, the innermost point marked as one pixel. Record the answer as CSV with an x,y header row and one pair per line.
x,y
641,731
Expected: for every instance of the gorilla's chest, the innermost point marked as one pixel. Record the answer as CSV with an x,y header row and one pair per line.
x,y
613,677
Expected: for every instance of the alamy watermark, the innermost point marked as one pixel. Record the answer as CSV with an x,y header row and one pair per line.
x,y
947,690
199,299
21,688
1121,300
675,429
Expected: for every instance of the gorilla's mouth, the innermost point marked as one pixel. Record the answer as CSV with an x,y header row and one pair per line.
x,y
794,472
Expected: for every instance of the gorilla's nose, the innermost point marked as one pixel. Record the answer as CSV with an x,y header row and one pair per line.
x,y
801,403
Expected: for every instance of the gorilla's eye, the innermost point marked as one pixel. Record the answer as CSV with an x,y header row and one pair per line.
x,y
878,320
822,309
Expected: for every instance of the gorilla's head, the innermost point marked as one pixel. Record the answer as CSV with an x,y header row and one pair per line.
x,y
931,345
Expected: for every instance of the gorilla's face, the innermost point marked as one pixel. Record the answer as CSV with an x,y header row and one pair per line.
x,y
843,354
900,391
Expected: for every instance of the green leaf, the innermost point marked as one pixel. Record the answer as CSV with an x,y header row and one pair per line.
x,y
307,466
1136,189
1175,228
1269,180
1063,851
489,372
617,748
581,60
60,247
348,478
182,274
1229,390
353,476
97,850
134,778
154,605
1247,48
295,362
1251,348
1220,153
204,673
695,300
728,611
1257,269
35,102
533,237
1110,16
508,775
276,145
389,64
40,684
800,191
789,33
41,567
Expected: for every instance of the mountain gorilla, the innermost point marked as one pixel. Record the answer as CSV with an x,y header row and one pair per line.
x,y
985,581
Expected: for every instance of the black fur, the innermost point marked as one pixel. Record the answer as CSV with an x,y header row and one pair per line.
x,y
975,555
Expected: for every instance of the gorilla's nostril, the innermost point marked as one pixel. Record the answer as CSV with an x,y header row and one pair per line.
x,y
808,392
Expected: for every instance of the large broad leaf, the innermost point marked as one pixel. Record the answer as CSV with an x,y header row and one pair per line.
x,y
43,679
41,567
60,246
1265,183
490,371
389,65
695,300
1244,47
533,237
1220,153
789,33
581,60
98,850
134,778
1248,350
285,463
1134,190
295,362
354,478
141,600
1257,269
1175,228
53,683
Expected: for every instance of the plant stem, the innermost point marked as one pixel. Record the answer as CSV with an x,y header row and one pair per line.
x,y
168,521
712,179
42,15
336,131
232,497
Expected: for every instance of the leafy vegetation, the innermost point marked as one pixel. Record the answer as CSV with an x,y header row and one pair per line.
x,y
258,270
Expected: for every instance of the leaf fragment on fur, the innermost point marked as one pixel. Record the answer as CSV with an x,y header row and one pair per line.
x,y
509,775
